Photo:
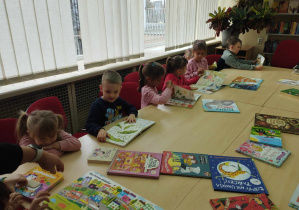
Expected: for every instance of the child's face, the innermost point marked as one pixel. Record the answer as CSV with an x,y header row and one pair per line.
x,y
198,55
110,91
154,82
235,48
45,140
182,71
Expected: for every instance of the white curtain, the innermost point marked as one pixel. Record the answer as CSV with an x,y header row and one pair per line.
x,y
111,30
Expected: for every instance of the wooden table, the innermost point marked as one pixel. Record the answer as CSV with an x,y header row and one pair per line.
x,y
196,131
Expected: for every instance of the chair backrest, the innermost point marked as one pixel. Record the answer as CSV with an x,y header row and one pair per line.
x,y
286,54
50,103
132,77
8,130
212,58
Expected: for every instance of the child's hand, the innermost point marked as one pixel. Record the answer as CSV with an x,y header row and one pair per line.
x,y
51,163
200,71
11,181
169,84
258,67
193,88
40,197
54,145
102,134
131,118
15,201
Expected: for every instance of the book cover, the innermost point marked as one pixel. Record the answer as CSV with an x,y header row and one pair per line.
x,y
123,133
95,191
245,87
267,136
236,174
284,124
211,105
38,180
132,163
289,81
102,155
296,71
246,83
294,202
185,164
294,93
246,202
272,155
183,98
260,60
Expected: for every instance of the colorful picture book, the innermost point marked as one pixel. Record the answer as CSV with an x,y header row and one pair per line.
x,y
236,174
102,155
267,136
38,180
294,202
284,124
123,133
271,155
246,83
132,163
294,93
185,164
183,98
211,105
210,82
246,202
95,191
260,60
289,82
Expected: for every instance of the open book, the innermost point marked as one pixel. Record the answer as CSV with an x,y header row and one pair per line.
x,y
183,97
260,60
123,133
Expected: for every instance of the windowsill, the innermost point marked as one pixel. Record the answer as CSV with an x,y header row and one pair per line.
x,y
155,53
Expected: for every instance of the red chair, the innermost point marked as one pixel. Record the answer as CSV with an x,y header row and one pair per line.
x,y
212,58
8,130
132,77
286,54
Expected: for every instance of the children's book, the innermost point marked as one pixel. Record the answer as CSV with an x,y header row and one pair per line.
x,y
293,93
284,124
246,83
246,202
260,60
185,164
211,105
95,191
267,136
294,202
289,81
183,98
132,163
210,82
38,180
102,155
296,71
271,155
123,133
236,174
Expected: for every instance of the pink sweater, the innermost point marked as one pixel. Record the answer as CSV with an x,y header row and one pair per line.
x,y
181,81
192,67
68,143
150,95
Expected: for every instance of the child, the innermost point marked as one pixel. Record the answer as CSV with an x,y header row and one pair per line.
x,y
44,128
109,107
198,64
175,71
150,76
229,59
188,54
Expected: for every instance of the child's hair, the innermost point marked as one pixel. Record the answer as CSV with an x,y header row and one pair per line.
x,y
177,62
232,41
152,70
199,45
112,77
40,123
4,196
188,54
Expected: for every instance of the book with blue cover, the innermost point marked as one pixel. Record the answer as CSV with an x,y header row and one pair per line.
x,y
267,136
246,83
236,174
211,105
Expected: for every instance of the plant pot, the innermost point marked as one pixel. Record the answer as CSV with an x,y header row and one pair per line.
x,y
225,35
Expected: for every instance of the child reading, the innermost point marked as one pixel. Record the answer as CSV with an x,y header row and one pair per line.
x,y
150,76
175,70
198,64
109,107
44,128
230,60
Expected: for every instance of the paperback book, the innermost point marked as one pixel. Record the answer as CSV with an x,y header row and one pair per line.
x,y
260,60
102,155
267,136
185,164
246,83
236,174
246,202
123,133
294,202
284,124
271,155
211,105
95,191
38,180
132,163
183,98
293,93
289,82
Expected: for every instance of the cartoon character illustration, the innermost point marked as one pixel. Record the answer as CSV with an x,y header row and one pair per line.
x,y
233,170
191,169
109,115
219,103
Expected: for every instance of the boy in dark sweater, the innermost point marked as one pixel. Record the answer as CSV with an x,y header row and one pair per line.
x,y
109,107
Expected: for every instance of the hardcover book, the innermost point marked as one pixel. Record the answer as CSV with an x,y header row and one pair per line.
x,y
132,163
271,155
123,133
183,98
95,191
102,155
284,124
267,136
294,202
211,105
185,164
236,174
289,81
294,93
38,180
246,83
246,202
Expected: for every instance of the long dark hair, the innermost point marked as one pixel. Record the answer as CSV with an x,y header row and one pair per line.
x,y
177,62
152,70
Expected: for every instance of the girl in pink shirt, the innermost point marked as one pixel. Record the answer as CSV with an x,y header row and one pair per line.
x,y
44,128
198,64
150,76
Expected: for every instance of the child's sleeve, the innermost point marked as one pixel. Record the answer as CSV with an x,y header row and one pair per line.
x,y
128,108
26,140
205,64
68,142
239,64
191,71
155,98
191,81
93,123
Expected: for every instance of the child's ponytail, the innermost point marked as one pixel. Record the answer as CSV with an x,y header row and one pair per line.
x,y
21,127
60,120
141,78
169,66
